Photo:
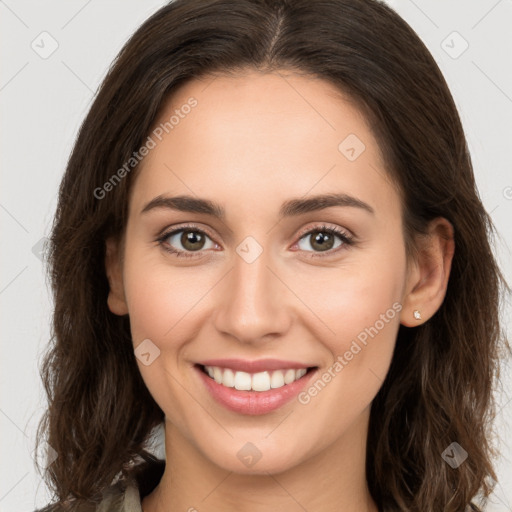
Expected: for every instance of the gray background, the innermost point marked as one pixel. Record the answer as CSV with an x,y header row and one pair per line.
x,y
44,99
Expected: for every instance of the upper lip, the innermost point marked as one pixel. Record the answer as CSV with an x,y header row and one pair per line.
x,y
260,365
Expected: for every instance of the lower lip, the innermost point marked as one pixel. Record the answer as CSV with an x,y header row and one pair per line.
x,y
254,402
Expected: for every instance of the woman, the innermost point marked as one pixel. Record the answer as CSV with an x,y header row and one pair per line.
x,y
269,238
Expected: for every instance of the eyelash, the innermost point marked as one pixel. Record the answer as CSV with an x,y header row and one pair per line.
x,y
347,240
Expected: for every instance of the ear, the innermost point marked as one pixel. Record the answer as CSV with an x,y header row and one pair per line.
x,y
428,275
116,300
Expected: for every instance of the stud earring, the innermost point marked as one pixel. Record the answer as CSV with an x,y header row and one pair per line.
x,y
416,314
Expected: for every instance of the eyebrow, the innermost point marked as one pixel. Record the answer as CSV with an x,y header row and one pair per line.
x,y
291,207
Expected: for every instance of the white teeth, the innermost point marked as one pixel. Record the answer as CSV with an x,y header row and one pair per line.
x,y
228,378
300,373
277,380
217,374
242,381
289,376
262,381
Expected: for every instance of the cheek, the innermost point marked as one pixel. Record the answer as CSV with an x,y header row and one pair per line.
x,y
156,302
359,309
363,294
159,301
160,297
362,351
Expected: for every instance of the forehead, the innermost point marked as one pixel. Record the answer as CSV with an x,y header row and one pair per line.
x,y
273,134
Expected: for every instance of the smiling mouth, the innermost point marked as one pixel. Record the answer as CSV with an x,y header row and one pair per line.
x,y
261,381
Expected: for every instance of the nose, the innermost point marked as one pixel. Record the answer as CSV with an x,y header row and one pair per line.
x,y
254,302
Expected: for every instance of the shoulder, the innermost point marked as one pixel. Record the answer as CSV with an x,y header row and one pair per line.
x,y
116,498
121,499
122,496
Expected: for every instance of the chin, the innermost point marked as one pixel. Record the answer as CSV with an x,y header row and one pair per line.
x,y
256,457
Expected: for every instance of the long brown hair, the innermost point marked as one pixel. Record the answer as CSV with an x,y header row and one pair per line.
x,y
439,386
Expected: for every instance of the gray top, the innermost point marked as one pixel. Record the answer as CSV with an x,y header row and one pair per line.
x,y
125,494
117,500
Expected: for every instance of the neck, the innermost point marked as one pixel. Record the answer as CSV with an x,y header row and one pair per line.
x,y
331,481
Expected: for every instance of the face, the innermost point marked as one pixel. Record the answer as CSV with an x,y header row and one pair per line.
x,y
295,302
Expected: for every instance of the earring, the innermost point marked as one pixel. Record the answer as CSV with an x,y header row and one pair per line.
x,y
416,314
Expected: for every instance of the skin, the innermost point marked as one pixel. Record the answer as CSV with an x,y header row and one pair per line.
x,y
253,142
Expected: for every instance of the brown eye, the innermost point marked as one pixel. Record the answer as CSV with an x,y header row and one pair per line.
x,y
186,241
192,240
323,239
